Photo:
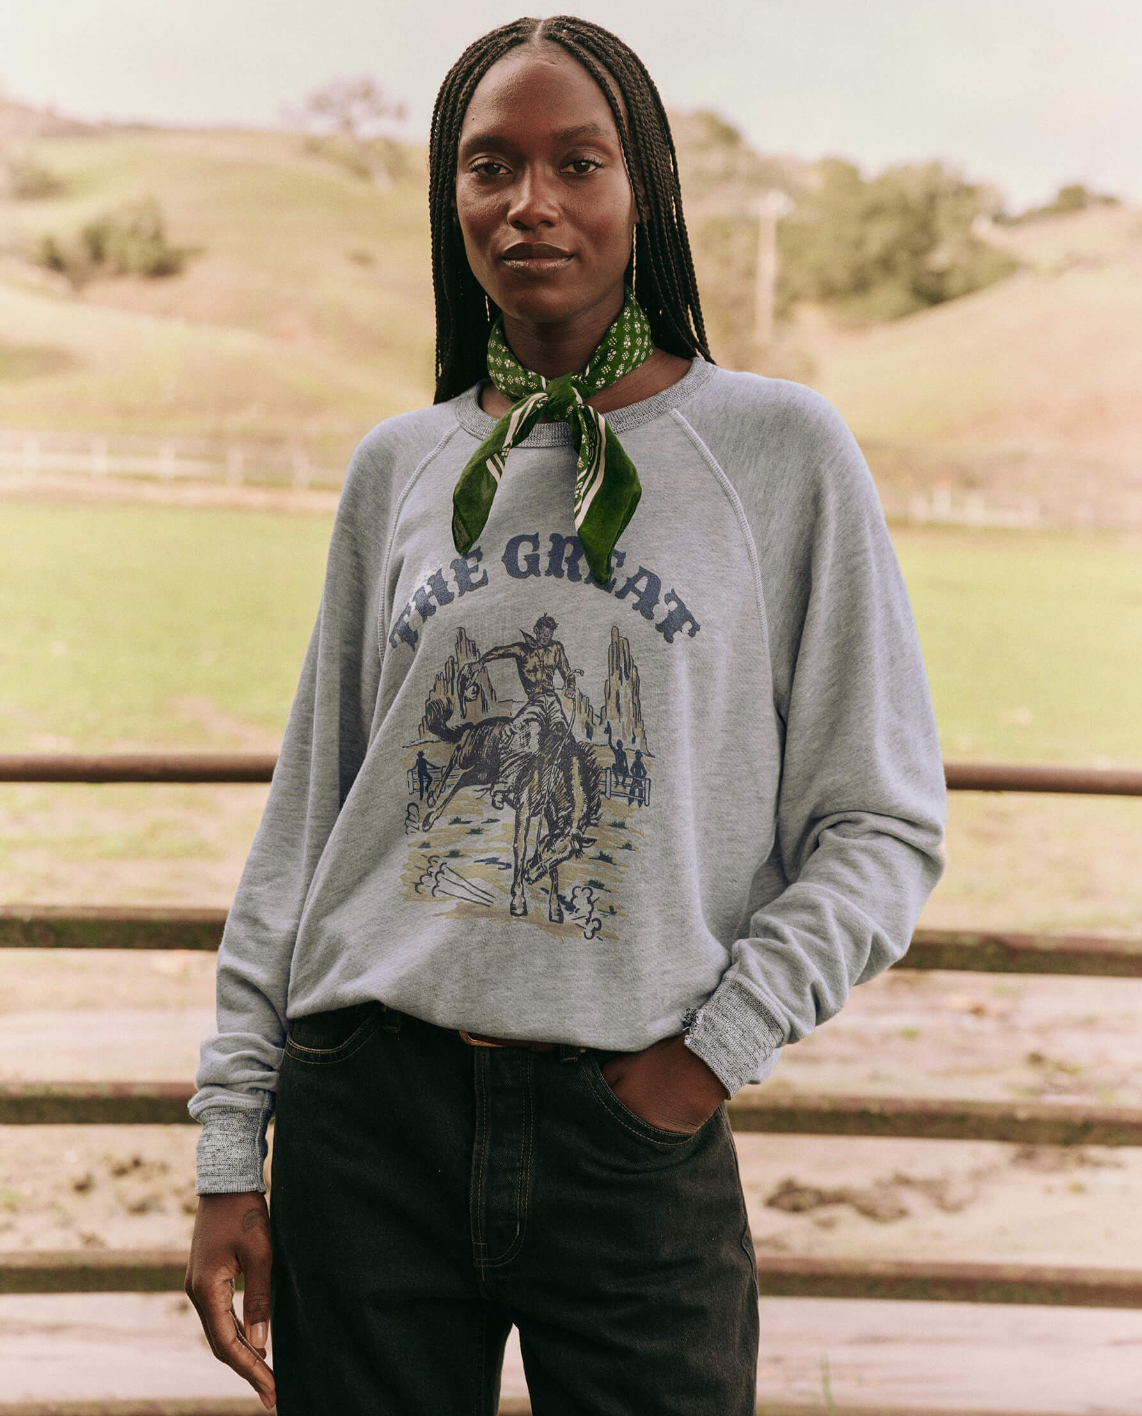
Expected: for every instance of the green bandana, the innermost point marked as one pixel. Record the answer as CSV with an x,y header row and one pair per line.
x,y
606,485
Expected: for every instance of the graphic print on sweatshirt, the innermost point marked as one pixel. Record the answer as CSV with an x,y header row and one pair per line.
x,y
524,798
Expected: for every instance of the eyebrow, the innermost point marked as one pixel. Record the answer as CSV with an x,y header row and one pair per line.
x,y
565,135
583,130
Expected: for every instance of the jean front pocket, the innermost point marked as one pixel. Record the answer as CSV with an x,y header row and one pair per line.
x,y
322,1039
631,1121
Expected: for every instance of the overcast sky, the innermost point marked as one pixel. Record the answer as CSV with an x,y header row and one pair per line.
x,y
1025,93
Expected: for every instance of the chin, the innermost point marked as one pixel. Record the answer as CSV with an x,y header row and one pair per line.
x,y
547,302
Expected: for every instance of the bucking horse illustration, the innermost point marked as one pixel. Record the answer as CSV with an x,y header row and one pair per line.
x,y
530,761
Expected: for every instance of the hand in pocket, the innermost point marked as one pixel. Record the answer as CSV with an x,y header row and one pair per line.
x,y
665,1084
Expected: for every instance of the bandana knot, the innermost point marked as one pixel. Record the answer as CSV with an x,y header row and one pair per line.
x,y
607,488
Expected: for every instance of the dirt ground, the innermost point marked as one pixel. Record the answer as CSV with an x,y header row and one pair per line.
x,y
945,1035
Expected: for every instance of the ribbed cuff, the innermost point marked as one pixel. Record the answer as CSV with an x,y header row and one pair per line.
x,y
734,1033
232,1149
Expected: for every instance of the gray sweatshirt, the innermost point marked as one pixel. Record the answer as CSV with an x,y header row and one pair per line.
x,y
707,795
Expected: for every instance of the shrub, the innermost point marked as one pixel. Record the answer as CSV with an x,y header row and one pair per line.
x,y
129,241
132,241
24,179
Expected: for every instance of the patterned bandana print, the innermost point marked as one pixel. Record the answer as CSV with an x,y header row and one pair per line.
x,y
606,484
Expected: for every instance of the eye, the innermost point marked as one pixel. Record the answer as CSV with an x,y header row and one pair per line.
x,y
488,167
583,166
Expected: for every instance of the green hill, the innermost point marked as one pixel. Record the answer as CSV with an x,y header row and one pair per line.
x,y
304,314
1031,387
305,310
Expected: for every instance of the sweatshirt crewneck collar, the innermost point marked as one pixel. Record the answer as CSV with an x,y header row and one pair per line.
x,y
474,420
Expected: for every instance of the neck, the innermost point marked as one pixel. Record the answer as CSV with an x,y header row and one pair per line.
x,y
564,346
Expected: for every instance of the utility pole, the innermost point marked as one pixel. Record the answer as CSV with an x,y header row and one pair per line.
x,y
768,208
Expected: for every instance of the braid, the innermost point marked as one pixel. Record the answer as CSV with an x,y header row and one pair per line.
x,y
665,285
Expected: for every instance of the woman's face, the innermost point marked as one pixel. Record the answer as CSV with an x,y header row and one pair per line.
x,y
542,192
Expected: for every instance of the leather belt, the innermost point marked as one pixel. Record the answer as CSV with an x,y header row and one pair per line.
x,y
480,1040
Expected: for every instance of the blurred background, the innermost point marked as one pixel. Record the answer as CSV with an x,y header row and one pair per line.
x,y
214,279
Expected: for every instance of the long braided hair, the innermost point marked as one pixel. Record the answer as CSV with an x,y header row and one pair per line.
x,y
663,269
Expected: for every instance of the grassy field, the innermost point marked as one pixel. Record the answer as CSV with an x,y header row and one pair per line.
x,y
137,626
119,625
1033,642
122,625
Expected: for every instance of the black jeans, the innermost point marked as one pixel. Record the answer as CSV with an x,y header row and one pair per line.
x,y
427,1195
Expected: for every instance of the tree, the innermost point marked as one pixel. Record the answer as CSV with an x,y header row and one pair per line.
x,y
889,245
1071,197
357,119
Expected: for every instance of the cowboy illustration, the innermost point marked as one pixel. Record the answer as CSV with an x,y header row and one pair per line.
x,y
530,761
538,657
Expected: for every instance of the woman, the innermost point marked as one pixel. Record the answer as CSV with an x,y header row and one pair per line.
x,y
535,901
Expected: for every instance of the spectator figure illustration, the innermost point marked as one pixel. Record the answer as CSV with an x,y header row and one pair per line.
x,y
638,780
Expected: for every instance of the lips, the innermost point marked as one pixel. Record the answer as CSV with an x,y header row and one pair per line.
x,y
535,256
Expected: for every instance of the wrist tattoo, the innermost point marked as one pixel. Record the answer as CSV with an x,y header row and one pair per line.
x,y
254,1217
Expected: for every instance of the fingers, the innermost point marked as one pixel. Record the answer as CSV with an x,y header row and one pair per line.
x,y
256,1303
231,1236
229,1343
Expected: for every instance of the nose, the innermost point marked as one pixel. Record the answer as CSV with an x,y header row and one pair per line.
x,y
533,202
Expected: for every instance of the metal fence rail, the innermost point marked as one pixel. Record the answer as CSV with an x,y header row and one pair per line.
x,y
259,767
62,926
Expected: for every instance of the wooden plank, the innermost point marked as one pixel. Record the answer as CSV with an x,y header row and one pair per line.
x,y
94,1103
988,951
509,1406
1025,1123
975,951
93,1271
1049,1285
163,1270
789,1113
200,1406
109,927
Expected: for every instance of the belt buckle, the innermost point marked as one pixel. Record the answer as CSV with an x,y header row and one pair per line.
x,y
467,1037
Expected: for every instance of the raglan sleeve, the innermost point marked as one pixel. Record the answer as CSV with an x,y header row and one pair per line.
x,y
322,749
861,806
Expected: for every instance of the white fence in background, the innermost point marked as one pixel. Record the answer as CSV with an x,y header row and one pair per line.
x,y
971,509
286,464
167,459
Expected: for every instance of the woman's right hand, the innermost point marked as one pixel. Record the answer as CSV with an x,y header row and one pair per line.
x,y
232,1236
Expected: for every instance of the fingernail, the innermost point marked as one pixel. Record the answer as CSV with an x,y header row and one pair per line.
x,y
258,1334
